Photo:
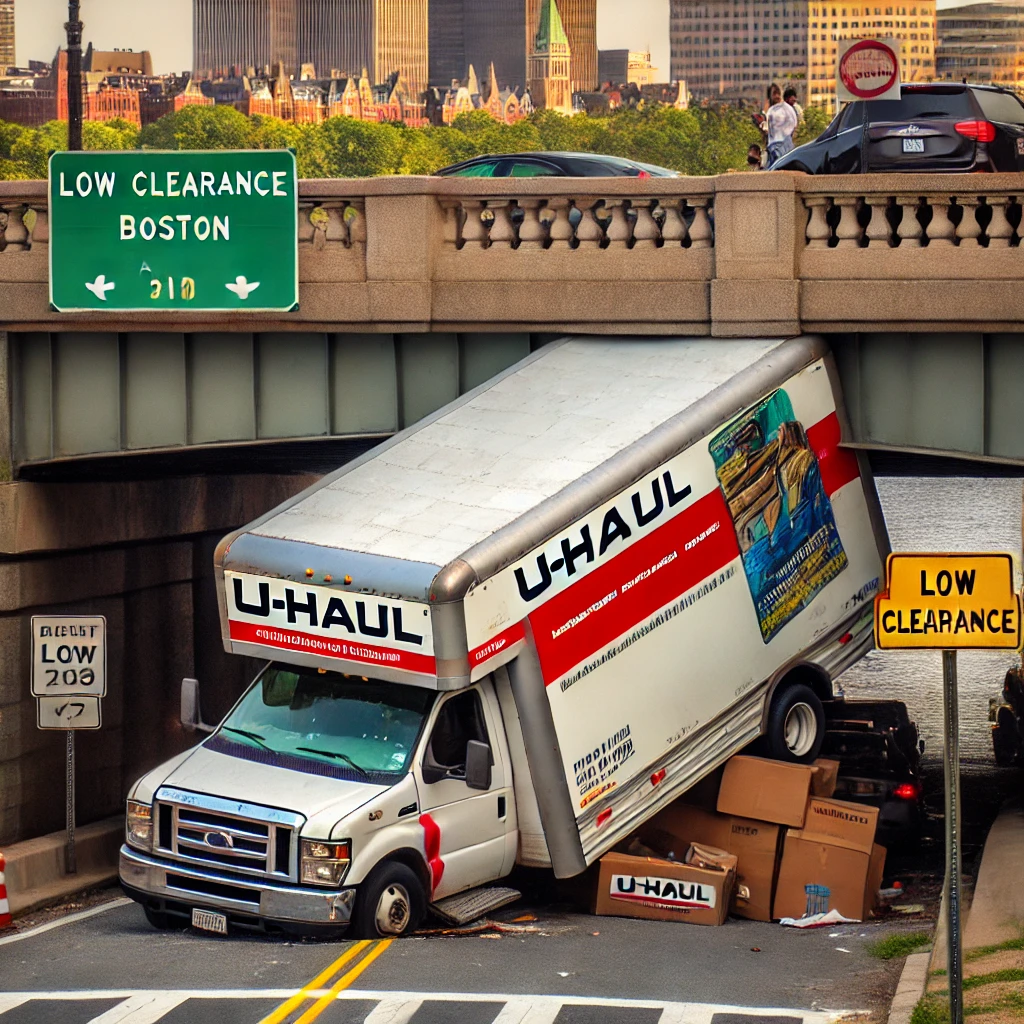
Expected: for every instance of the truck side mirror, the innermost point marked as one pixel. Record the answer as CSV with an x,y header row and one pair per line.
x,y
191,719
478,765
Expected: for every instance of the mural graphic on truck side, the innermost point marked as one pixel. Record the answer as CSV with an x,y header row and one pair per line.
x,y
771,480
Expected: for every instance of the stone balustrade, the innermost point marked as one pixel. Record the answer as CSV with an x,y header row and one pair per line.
x,y
728,255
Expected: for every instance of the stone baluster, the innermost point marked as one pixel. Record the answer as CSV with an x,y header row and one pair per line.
x,y
318,219
16,234
560,227
941,231
452,210
1000,230
474,230
355,221
969,230
700,228
309,218
589,232
336,230
818,231
619,230
673,231
848,230
41,228
910,230
503,231
646,233
532,232
878,232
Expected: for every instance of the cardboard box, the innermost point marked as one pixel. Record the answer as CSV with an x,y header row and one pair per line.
x,y
819,873
755,844
825,778
662,890
766,790
855,823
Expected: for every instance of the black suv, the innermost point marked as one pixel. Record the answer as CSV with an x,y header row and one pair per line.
x,y
937,126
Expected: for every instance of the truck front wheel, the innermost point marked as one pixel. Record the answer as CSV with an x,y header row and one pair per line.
x,y
796,724
390,902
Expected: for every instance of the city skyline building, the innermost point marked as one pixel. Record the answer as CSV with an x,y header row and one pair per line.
x,y
624,67
981,43
6,34
335,36
477,32
550,62
579,20
400,42
731,50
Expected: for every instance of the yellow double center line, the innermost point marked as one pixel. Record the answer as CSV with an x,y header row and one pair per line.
x,y
372,950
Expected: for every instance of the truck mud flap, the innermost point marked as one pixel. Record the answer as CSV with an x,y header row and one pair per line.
x,y
468,906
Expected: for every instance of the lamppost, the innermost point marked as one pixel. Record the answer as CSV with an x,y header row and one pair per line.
x,y
73,27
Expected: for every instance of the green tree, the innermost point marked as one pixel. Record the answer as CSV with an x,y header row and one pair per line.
x,y
273,133
816,120
360,149
34,146
196,127
9,134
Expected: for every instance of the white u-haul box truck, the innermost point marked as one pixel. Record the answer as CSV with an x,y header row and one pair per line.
x,y
515,631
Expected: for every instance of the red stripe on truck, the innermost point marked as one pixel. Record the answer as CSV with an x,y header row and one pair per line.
x,y
497,644
838,466
646,576
328,647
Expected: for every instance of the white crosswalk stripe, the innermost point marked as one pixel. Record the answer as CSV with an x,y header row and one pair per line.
x,y
149,1007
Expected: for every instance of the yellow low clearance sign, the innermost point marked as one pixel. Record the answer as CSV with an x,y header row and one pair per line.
x,y
946,602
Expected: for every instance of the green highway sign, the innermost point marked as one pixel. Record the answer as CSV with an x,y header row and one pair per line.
x,y
146,230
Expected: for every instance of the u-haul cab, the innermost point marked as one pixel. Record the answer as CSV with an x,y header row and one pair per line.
x,y
515,631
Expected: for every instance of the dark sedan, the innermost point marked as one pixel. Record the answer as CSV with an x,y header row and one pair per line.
x,y
937,126
556,165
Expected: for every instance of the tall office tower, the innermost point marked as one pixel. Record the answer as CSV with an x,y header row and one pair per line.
x,y
550,62
729,50
978,43
6,34
579,18
335,35
478,32
400,42
447,42
242,33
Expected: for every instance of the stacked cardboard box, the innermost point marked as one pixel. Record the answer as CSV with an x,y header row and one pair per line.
x,y
797,850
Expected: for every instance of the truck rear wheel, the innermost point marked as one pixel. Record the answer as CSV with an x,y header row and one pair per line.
x,y
796,724
391,902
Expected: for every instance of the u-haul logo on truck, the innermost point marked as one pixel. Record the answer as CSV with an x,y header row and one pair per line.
x,y
321,621
668,893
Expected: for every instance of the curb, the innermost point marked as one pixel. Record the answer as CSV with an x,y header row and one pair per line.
x,y
910,988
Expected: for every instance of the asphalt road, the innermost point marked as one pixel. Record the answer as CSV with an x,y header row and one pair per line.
x,y
112,968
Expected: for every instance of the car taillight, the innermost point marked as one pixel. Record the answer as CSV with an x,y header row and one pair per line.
x,y
644,174
906,791
980,131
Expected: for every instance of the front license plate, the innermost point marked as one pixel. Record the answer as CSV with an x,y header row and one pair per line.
x,y
210,921
913,145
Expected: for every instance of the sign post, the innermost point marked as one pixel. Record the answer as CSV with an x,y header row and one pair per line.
x,y
949,602
69,678
151,230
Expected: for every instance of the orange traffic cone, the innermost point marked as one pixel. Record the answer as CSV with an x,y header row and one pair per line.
x,y
5,907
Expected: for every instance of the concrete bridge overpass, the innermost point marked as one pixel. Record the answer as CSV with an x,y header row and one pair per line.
x,y
130,443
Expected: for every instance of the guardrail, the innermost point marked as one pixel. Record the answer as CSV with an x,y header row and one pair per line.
x,y
728,255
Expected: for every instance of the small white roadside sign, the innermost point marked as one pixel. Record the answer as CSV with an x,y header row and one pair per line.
x,y
69,658
72,712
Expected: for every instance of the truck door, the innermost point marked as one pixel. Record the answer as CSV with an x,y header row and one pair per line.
x,y
472,822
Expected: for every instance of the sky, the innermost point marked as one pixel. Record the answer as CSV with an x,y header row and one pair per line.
x,y
164,27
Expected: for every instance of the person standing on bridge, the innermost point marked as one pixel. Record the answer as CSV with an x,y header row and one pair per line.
x,y
780,122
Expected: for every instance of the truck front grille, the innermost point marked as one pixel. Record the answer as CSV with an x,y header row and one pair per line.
x,y
248,844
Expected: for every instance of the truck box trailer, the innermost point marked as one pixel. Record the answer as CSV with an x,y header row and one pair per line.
x,y
515,631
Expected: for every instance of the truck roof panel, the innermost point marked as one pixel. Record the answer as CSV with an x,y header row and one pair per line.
x,y
454,479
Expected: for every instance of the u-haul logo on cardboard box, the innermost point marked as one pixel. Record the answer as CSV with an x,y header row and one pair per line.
x,y
668,893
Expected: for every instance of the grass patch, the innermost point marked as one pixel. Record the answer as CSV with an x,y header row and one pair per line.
x,y
977,954
899,944
1009,974
934,1009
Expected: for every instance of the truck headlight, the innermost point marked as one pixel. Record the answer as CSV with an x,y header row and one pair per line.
x,y
139,830
324,863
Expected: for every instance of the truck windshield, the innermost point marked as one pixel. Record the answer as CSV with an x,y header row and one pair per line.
x,y
365,724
